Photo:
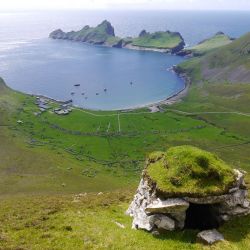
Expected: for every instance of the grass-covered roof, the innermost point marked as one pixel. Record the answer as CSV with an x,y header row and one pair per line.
x,y
189,171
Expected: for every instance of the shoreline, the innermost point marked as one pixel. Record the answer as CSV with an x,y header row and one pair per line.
x,y
128,47
153,106
167,101
138,48
174,98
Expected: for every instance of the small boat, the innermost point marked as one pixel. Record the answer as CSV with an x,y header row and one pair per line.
x,y
105,90
131,83
77,85
72,93
97,93
83,93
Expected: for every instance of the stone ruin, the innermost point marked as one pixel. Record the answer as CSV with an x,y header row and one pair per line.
x,y
155,213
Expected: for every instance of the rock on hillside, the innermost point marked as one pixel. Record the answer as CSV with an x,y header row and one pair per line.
x,y
102,34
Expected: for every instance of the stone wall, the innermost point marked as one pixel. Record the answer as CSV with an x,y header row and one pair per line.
x,y
151,212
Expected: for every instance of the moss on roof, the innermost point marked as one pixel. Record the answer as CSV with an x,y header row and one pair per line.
x,y
189,171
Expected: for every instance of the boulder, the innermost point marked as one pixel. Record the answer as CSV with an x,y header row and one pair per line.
x,y
142,221
164,222
209,237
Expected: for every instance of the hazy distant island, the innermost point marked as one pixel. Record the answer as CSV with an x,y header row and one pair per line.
x,y
104,34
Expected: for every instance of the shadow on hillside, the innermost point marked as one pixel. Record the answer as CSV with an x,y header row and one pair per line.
x,y
236,229
233,231
185,236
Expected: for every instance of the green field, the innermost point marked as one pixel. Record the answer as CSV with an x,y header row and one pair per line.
x,y
218,40
46,161
226,64
49,158
160,40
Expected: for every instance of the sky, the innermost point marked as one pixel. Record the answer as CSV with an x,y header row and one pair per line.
x,y
125,4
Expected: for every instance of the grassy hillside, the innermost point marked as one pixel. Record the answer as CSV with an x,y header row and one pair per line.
x,y
101,34
216,41
67,162
229,63
89,222
159,40
47,160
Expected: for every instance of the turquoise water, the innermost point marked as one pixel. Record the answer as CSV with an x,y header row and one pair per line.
x,y
32,63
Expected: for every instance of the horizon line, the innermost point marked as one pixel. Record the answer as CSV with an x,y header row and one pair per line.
x,y
118,9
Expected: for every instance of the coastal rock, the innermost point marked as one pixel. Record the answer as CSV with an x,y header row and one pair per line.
x,y
118,44
104,34
57,34
143,33
108,28
209,237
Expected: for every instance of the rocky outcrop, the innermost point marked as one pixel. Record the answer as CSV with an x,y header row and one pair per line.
x,y
108,28
58,34
151,211
104,34
143,33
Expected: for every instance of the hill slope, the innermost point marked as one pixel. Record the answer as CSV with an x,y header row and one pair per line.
x,y
216,41
159,40
229,63
102,34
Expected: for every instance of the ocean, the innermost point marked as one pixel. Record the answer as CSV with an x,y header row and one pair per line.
x,y
32,63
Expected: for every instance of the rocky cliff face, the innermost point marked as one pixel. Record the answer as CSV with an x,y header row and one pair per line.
x,y
104,34
108,28
163,41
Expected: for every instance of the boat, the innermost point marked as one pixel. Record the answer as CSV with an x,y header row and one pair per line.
x,y
77,85
72,93
105,90
131,83
83,93
97,93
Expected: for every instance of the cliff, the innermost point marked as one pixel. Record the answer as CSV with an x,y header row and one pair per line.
x,y
163,40
103,34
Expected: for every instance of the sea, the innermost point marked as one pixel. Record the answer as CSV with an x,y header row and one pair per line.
x,y
108,78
